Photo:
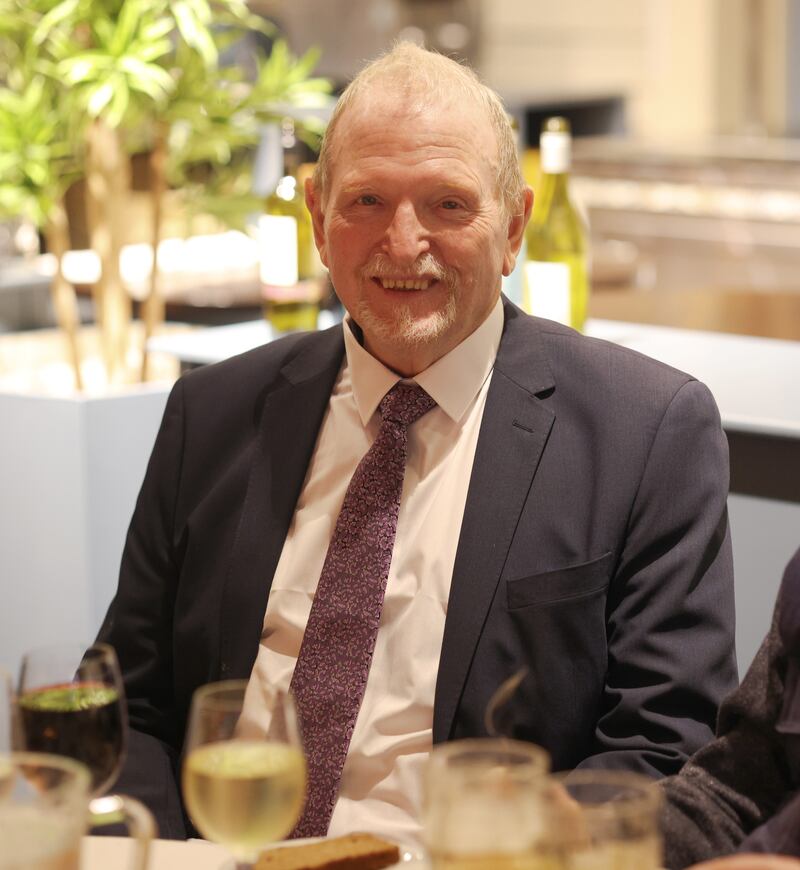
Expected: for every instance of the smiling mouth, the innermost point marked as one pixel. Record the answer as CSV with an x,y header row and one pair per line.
x,y
404,283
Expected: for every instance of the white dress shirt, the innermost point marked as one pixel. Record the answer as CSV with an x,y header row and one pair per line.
x,y
382,779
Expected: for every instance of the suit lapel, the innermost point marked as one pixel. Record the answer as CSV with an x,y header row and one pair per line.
x,y
513,434
292,414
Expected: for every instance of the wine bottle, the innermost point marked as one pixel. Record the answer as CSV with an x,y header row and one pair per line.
x,y
290,286
556,273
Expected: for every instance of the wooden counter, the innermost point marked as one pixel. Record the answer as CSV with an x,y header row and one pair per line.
x,y
741,312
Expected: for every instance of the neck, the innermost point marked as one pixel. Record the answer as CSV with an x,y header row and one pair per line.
x,y
406,362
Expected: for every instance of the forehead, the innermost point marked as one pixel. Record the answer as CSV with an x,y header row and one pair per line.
x,y
381,133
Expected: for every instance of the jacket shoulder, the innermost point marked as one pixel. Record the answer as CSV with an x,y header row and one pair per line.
x,y
248,374
608,361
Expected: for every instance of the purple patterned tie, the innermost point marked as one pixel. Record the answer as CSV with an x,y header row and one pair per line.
x,y
335,656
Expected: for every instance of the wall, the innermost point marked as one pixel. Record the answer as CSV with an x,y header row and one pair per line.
x,y
687,68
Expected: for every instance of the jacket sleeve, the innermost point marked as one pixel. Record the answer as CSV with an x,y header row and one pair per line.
x,y
139,627
743,784
670,610
739,780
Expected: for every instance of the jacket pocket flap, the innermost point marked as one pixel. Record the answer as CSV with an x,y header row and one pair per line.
x,y
550,587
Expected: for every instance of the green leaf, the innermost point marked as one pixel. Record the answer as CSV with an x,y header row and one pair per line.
x,y
60,13
149,78
156,30
195,32
101,96
201,10
119,103
148,52
126,26
103,33
85,67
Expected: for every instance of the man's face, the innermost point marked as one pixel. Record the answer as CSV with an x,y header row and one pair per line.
x,y
412,228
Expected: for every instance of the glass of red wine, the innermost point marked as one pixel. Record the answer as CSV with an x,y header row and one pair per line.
x,y
71,702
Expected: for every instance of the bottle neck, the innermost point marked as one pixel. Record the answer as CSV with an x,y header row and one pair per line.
x,y
291,162
557,183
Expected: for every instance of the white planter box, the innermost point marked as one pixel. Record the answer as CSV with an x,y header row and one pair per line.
x,y
70,471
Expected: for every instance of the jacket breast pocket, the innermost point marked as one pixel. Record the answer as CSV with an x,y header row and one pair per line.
x,y
560,585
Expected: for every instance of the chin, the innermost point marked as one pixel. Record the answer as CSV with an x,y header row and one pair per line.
x,y
405,327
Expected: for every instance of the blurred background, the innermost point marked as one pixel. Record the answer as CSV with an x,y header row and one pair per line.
x,y
685,115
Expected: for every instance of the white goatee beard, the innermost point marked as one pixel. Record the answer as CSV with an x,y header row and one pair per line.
x,y
405,328
402,326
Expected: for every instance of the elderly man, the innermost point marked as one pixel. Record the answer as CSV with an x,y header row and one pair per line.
x,y
396,515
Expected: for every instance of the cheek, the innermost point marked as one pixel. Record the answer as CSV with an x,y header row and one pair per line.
x,y
344,243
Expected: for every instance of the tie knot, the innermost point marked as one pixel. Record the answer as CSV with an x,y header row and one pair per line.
x,y
405,403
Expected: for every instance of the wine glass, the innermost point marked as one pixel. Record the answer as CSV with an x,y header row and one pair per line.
x,y
601,818
243,783
482,804
71,702
45,809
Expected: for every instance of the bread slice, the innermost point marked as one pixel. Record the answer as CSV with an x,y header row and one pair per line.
x,y
351,852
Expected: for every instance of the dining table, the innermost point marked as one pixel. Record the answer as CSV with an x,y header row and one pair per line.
x,y
115,853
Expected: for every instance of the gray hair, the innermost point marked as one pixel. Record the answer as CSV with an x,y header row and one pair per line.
x,y
415,71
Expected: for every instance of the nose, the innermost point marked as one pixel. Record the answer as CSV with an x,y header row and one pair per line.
x,y
406,237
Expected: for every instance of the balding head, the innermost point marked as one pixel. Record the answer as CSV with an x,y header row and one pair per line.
x,y
417,77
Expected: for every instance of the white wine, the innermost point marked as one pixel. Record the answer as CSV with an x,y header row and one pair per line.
x,y
556,273
244,794
289,268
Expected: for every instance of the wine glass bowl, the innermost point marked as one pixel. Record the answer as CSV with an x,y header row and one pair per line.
x,y
71,702
43,811
243,784
596,819
482,803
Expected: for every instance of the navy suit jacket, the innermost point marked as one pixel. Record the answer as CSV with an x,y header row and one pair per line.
x,y
594,551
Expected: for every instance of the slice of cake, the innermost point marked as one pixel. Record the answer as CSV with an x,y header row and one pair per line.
x,y
351,852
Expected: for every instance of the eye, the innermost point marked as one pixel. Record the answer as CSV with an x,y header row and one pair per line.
x,y
451,204
367,199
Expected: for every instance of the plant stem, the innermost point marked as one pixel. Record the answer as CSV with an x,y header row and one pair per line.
x,y
108,185
153,303
65,302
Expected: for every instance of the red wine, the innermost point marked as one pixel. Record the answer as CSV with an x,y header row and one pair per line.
x,y
80,720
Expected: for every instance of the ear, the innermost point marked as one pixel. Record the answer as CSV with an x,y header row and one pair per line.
x,y
516,232
314,205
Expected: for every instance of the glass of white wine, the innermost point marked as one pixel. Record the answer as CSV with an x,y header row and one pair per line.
x,y
244,786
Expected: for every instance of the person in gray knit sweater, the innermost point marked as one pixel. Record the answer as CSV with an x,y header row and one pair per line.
x,y
741,793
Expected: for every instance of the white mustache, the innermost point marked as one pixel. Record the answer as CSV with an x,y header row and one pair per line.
x,y
380,266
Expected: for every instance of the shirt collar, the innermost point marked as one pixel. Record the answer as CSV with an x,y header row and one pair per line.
x,y
452,381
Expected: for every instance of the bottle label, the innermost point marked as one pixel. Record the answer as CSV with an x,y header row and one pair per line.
x,y
548,290
555,152
277,242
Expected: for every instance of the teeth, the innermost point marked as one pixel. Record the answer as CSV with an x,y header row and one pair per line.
x,y
391,284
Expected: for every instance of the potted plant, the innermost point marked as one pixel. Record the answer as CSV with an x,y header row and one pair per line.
x,y
87,83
